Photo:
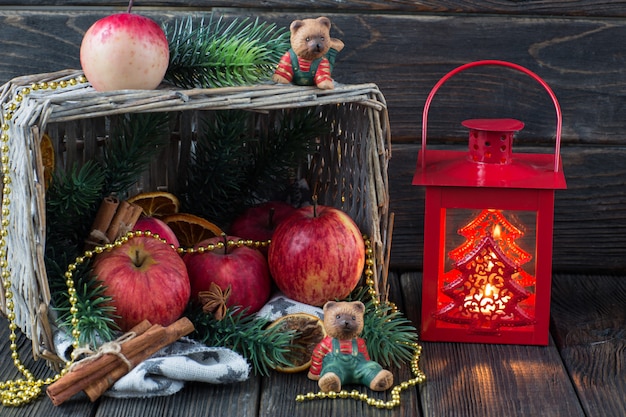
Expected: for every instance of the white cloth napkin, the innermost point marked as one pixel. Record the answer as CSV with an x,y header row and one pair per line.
x,y
166,372
280,305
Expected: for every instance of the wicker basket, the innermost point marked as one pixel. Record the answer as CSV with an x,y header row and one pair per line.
x,y
348,171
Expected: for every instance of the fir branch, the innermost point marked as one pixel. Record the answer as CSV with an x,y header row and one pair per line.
x,y
387,332
137,139
266,348
216,185
94,313
280,150
71,201
233,167
220,55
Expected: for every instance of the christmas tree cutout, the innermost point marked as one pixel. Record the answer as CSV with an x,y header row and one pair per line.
x,y
484,284
492,223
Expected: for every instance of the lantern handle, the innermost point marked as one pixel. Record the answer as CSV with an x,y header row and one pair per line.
x,y
559,118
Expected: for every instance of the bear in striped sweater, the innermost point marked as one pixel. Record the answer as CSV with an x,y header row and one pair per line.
x,y
311,58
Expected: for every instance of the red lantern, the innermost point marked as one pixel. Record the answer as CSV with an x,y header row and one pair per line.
x,y
488,232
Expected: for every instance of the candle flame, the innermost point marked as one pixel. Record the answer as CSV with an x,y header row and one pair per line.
x,y
488,290
497,232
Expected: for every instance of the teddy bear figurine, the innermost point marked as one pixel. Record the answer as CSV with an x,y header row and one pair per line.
x,y
342,356
311,58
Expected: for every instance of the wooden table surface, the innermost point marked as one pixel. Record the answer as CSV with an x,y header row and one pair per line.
x,y
582,372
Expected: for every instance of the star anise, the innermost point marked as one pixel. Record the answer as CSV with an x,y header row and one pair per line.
x,y
214,300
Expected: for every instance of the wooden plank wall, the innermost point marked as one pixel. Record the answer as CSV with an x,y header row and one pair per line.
x,y
405,47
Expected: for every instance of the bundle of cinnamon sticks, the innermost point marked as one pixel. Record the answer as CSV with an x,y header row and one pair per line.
x,y
95,376
113,219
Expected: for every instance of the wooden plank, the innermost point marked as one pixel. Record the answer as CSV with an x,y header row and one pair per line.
x,y
280,391
195,399
497,380
419,50
410,398
406,55
589,316
614,8
590,216
42,406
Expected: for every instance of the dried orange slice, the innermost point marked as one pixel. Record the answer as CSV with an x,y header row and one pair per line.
x,y
156,203
47,158
191,230
310,332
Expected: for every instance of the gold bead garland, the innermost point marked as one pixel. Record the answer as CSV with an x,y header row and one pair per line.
x,y
21,391
418,375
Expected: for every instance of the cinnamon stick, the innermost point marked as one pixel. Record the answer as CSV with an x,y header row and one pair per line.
x,y
175,331
119,221
134,213
105,213
74,381
104,216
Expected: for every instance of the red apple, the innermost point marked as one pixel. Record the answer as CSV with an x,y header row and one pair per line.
x,y
159,227
146,279
317,255
259,222
242,268
124,51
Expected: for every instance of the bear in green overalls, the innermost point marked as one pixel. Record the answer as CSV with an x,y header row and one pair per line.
x,y
311,58
342,357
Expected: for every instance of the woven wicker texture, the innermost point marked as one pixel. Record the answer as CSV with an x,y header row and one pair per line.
x,y
348,171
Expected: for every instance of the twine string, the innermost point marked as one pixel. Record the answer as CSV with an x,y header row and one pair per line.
x,y
96,238
110,348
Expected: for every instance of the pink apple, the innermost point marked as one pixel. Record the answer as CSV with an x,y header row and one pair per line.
x,y
124,51
317,255
259,222
146,279
242,268
159,227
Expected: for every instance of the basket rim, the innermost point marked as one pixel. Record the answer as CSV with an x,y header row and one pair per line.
x,y
81,100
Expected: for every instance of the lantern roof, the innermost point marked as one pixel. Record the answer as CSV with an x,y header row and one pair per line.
x,y
456,169
494,125
489,161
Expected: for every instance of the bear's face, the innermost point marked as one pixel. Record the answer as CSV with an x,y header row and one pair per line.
x,y
310,38
343,320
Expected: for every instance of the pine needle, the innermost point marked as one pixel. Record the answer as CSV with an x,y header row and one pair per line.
x,y
136,141
94,313
71,199
219,55
265,348
233,166
387,332
216,184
